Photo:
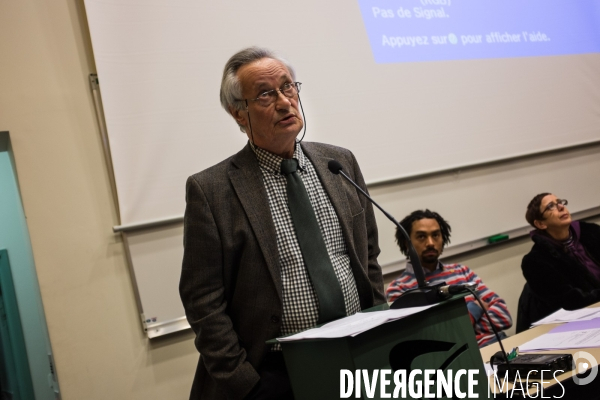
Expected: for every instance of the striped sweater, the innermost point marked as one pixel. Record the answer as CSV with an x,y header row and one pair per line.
x,y
454,274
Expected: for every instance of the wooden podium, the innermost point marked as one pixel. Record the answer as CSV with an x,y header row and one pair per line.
x,y
440,337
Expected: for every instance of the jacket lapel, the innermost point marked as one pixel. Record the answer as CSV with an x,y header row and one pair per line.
x,y
247,181
334,187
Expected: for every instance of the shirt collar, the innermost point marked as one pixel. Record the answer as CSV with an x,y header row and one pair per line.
x,y
272,162
410,268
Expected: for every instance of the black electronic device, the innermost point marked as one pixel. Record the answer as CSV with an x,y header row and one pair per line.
x,y
530,366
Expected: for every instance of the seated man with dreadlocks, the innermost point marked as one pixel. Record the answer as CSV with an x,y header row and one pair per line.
x,y
429,233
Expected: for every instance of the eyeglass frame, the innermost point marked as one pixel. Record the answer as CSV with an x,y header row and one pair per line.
x,y
296,85
552,205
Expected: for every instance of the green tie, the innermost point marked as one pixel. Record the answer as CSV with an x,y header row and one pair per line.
x,y
312,246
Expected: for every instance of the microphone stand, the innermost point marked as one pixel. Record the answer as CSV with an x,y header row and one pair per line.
x,y
422,295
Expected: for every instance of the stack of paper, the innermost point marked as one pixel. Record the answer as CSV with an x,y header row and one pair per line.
x,y
572,335
563,315
354,324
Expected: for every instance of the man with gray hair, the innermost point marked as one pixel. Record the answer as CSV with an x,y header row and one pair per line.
x,y
273,242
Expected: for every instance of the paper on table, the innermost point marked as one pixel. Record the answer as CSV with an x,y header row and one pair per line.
x,y
563,315
489,370
354,324
577,326
564,340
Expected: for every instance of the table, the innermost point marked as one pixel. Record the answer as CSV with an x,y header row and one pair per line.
x,y
550,388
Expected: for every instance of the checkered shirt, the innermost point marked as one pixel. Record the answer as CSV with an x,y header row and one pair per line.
x,y
300,303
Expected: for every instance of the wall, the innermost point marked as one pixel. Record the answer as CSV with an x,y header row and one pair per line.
x,y
45,103
87,293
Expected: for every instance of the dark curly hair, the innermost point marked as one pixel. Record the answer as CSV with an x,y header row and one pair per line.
x,y
533,209
407,223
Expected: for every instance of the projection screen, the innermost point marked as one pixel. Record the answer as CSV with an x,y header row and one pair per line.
x,y
411,86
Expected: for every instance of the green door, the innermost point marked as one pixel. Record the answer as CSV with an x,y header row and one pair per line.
x,y
15,376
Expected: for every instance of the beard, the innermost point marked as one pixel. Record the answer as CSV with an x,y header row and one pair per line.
x,y
430,257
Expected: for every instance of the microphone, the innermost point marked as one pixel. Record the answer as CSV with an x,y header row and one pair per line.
x,y
335,167
424,294
448,290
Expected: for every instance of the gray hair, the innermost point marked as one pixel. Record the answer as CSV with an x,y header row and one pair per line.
x,y
231,89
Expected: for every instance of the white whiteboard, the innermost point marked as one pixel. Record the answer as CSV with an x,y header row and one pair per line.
x,y
159,64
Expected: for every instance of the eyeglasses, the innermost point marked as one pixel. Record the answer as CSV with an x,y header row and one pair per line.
x,y
268,97
552,205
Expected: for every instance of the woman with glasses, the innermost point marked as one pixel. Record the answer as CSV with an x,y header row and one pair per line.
x,y
563,267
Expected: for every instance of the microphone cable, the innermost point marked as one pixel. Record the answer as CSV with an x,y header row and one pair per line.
x,y
504,353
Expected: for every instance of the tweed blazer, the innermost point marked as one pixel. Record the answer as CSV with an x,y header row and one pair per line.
x,y
231,283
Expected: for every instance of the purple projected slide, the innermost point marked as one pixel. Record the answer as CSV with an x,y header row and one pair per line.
x,y
430,30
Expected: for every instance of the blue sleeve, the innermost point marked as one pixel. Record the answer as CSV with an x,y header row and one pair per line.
x,y
475,311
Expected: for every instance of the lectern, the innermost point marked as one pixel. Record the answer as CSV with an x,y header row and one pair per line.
x,y
440,337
